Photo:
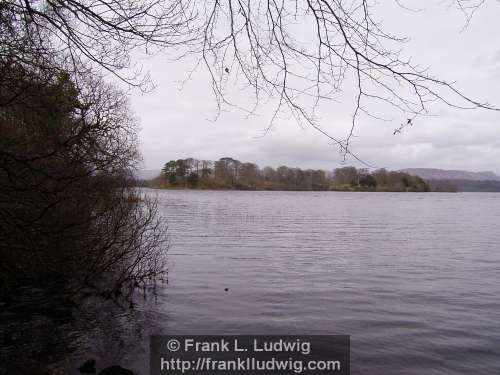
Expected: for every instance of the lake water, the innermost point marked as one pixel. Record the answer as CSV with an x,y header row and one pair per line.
x,y
414,279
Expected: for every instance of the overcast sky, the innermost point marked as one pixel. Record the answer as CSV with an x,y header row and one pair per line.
x,y
179,123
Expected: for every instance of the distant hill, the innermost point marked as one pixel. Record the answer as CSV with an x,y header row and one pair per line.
x,y
456,180
442,174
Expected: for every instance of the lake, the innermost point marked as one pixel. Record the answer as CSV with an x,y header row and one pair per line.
x,y
413,278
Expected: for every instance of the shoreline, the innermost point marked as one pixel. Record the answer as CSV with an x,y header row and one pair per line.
x,y
312,191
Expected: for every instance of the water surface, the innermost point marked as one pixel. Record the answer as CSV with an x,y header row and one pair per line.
x,y
413,278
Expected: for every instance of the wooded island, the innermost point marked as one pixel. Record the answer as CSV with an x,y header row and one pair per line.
x,y
228,173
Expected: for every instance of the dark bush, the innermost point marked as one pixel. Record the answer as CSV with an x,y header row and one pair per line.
x,y
69,217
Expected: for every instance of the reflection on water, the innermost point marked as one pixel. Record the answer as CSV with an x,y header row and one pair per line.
x,y
413,278
51,339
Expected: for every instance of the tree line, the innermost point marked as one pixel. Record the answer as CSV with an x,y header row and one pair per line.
x,y
229,173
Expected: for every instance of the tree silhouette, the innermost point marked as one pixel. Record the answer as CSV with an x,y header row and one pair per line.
x,y
297,53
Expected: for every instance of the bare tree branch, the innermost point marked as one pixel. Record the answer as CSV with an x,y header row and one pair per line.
x,y
301,53
297,55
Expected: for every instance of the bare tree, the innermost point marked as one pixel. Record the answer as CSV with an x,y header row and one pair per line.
x,y
69,217
102,32
304,52
294,53
297,52
469,7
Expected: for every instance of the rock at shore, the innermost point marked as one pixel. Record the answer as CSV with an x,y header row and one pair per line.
x,y
116,370
88,367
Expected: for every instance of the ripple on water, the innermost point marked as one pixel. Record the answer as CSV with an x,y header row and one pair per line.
x,y
411,277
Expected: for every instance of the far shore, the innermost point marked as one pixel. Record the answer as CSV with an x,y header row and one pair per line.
x,y
292,190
